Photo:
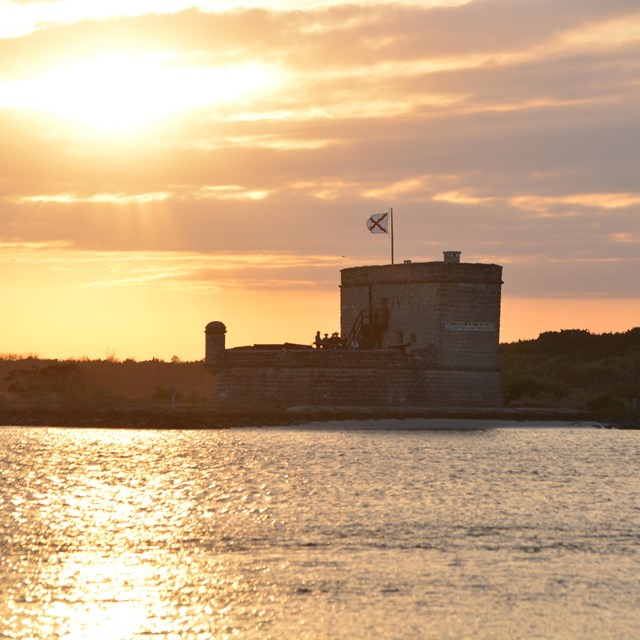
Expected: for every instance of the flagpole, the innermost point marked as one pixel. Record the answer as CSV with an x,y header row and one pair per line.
x,y
391,223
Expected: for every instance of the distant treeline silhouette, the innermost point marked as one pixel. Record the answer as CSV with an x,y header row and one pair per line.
x,y
33,380
575,369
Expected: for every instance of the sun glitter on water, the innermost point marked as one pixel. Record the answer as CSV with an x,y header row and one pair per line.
x,y
127,92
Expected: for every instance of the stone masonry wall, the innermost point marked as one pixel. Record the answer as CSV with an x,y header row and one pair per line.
x,y
469,324
451,309
348,378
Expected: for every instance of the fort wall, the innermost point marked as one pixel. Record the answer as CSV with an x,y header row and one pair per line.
x,y
255,377
415,334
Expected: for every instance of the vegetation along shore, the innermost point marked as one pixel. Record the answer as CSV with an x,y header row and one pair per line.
x,y
561,375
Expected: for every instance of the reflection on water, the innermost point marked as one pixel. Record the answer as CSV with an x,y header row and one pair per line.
x,y
331,534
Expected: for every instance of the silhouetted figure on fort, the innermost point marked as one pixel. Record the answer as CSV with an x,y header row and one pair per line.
x,y
318,340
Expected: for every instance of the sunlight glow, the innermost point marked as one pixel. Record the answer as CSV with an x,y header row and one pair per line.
x,y
148,304
264,142
24,18
414,184
112,198
123,92
231,192
120,613
611,33
543,204
527,318
459,197
626,238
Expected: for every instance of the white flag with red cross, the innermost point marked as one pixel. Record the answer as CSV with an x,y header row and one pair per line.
x,y
379,223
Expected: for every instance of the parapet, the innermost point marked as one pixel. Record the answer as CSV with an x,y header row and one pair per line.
x,y
422,272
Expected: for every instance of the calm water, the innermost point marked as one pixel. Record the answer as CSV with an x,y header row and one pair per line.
x,y
293,533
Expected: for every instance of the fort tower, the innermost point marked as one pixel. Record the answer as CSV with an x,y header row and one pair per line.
x,y
446,311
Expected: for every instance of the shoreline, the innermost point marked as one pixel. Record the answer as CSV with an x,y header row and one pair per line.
x,y
441,424
207,417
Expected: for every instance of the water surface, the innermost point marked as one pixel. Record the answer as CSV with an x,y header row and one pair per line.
x,y
330,533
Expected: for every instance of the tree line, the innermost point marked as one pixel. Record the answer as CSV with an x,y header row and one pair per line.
x,y
576,369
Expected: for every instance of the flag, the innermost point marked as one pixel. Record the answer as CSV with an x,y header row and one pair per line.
x,y
378,222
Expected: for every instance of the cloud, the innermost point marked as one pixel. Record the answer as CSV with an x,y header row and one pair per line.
x,y
111,198
506,129
546,205
177,270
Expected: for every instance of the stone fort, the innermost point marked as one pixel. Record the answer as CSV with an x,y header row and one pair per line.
x,y
421,334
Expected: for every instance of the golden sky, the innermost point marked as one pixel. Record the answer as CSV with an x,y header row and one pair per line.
x,y
168,163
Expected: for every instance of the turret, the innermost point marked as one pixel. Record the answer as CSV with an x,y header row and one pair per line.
x,y
215,344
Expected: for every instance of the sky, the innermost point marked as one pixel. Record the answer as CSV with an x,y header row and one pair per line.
x,y
166,163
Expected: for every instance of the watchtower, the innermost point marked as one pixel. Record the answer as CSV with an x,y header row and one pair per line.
x,y
215,344
448,312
